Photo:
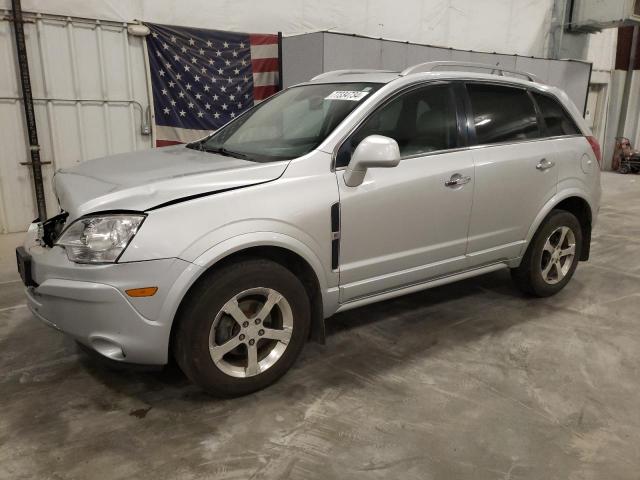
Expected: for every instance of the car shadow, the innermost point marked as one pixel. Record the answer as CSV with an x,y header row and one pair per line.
x,y
396,330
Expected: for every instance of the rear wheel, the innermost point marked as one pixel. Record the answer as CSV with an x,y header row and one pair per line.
x,y
242,327
552,256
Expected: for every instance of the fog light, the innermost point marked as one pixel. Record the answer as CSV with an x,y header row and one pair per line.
x,y
108,348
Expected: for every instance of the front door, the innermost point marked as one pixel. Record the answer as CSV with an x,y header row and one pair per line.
x,y
407,224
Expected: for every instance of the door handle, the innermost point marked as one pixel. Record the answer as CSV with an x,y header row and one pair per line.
x,y
545,164
457,180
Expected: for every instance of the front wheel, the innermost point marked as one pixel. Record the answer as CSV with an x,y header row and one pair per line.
x,y
552,256
242,327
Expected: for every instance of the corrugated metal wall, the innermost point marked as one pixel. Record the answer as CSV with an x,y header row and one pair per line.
x,y
90,86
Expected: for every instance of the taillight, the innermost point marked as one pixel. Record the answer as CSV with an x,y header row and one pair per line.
x,y
595,146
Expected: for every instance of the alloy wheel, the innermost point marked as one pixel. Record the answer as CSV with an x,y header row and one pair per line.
x,y
558,255
251,332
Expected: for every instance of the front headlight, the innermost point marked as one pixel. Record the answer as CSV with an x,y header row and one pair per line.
x,y
99,238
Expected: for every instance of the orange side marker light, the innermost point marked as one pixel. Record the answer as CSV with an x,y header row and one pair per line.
x,y
142,292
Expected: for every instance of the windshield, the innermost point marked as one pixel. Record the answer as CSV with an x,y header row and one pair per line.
x,y
290,124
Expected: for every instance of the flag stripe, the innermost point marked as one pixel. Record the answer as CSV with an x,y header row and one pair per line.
x,y
260,93
264,39
264,65
167,143
264,51
181,135
263,79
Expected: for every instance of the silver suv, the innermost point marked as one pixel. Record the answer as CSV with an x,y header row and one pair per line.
x,y
358,186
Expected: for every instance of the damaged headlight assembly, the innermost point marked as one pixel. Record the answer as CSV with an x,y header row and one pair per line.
x,y
99,238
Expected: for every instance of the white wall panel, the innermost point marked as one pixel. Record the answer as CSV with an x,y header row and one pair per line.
x,y
89,71
602,49
506,26
347,51
394,55
419,53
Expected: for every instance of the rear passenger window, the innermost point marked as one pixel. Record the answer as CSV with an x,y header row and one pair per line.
x,y
421,121
502,114
556,119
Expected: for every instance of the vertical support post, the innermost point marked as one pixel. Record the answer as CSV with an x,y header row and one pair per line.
x,y
280,80
127,56
627,82
77,91
105,88
147,73
27,96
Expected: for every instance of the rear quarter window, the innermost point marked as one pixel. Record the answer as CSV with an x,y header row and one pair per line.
x,y
557,121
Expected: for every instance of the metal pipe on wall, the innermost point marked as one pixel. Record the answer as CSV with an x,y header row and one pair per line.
x,y
626,92
32,132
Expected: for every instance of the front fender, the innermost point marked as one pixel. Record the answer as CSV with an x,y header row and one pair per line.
x,y
328,283
235,244
263,239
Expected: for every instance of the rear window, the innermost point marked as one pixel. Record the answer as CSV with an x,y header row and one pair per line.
x,y
556,119
502,114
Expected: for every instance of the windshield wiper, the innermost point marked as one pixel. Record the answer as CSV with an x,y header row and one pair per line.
x,y
226,152
197,145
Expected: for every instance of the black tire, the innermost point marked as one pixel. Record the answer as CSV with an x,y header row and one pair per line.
x,y
528,276
206,299
623,170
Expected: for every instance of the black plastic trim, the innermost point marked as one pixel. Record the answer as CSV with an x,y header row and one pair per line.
x,y
335,236
23,259
542,125
335,217
53,228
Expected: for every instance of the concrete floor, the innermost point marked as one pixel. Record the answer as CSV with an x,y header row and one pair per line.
x,y
465,381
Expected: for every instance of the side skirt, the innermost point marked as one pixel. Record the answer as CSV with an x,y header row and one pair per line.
x,y
421,286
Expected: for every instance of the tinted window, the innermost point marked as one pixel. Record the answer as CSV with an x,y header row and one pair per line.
x,y
421,121
502,114
555,118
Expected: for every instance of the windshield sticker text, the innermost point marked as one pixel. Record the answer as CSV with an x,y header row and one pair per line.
x,y
353,96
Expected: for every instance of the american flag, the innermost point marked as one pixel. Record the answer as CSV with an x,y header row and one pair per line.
x,y
201,79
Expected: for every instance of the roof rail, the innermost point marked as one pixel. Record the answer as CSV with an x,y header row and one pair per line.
x,y
448,65
347,72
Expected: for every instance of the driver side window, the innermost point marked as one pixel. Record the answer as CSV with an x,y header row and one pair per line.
x,y
422,120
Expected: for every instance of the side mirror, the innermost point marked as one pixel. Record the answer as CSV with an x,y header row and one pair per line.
x,y
375,151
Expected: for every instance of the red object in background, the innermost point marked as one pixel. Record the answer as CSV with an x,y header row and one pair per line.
x,y
623,49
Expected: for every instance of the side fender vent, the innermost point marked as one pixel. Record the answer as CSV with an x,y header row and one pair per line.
x,y
335,235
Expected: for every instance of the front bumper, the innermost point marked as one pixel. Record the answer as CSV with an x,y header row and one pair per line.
x,y
89,303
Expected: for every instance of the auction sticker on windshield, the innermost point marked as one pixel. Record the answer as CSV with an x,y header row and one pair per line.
x,y
351,95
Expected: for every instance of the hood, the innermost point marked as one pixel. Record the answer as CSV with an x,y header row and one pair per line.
x,y
145,179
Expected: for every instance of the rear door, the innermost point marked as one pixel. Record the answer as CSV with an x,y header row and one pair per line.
x,y
407,224
516,170
577,166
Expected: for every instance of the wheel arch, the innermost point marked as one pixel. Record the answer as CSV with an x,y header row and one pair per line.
x,y
576,203
296,258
